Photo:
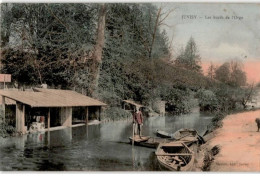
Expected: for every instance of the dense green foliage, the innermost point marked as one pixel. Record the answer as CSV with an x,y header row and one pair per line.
x,y
5,128
208,100
48,43
228,88
231,73
54,44
216,122
115,113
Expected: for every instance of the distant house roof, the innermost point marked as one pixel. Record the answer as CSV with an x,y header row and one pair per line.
x,y
51,98
133,103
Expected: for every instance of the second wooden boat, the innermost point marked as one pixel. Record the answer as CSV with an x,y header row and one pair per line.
x,y
163,134
184,134
149,142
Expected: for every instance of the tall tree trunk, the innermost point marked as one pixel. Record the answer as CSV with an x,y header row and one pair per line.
x,y
98,49
5,33
154,32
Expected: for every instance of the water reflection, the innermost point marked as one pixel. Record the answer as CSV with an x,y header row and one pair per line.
x,y
92,148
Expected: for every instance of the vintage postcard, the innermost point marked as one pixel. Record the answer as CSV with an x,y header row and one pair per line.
x,y
147,86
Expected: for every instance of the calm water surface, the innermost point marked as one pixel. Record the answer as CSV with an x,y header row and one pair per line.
x,y
100,147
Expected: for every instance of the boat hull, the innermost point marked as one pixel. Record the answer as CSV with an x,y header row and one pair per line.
x,y
149,142
181,160
163,134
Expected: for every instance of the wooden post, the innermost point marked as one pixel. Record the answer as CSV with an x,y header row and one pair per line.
x,y
49,117
3,107
20,117
23,119
87,119
69,116
4,82
17,123
99,113
86,115
49,138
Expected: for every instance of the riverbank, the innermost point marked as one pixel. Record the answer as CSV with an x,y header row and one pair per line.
x,y
239,144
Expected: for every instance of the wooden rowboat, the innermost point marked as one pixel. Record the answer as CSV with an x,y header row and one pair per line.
x,y
175,156
138,140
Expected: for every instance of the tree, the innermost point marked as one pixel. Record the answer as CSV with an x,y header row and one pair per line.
x,y
189,58
98,49
128,37
231,73
54,40
222,73
160,18
152,18
246,94
6,21
211,71
237,76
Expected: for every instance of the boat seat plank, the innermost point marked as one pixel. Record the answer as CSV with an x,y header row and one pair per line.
x,y
177,159
173,145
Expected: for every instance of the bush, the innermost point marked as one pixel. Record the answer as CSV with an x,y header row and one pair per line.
x,y
110,98
207,100
115,113
179,101
232,98
217,120
6,129
209,158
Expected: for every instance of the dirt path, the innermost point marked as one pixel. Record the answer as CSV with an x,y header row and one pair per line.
x,y
239,142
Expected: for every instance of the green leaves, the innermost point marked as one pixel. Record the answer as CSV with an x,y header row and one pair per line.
x,y
5,128
208,100
231,73
189,58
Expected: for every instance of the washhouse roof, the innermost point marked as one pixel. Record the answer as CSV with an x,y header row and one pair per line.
x,y
40,97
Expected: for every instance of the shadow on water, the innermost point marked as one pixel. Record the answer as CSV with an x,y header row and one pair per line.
x,y
102,147
46,165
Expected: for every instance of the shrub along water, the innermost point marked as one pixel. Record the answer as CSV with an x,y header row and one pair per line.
x,y
115,113
5,128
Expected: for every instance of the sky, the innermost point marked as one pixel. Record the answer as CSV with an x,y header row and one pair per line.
x,y
222,32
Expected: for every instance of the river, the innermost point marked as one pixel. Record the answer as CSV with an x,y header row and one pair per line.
x,y
100,147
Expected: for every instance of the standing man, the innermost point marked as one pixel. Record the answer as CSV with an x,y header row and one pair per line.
x,y
138,120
